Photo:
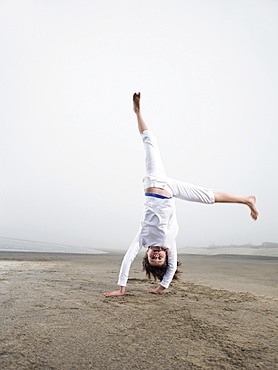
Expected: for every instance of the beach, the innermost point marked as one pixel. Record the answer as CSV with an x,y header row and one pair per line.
x,y
222,314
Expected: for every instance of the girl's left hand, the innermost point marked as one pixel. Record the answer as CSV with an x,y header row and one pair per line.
x,y
117,293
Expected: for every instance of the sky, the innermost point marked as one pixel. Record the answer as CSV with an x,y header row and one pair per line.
x,y
72,161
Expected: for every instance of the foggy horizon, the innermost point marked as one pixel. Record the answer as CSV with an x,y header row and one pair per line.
x,y
72,160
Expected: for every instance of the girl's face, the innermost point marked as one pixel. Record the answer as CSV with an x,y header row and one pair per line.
x,y
156,256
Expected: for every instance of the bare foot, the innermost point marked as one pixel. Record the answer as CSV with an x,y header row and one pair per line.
x,y
136,102
251,203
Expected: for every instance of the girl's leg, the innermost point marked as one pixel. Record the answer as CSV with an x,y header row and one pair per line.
x,y
250,201
136,107
193,193
179,189
190,192
154,165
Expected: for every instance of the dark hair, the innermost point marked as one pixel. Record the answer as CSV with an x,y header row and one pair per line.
x,y
158,271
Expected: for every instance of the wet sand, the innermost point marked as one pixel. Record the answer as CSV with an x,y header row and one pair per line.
x,y
221,315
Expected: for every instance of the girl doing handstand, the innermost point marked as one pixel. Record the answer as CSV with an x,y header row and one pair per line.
x,y
159,228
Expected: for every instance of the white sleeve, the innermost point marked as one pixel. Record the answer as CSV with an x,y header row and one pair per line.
x,y
172,266
131,253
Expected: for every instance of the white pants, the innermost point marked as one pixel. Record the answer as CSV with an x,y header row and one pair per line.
x,y
156,176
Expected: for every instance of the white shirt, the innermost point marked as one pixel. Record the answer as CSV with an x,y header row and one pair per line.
x,y
159,228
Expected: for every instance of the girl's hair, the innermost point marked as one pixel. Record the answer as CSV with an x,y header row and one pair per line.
x,y
158,271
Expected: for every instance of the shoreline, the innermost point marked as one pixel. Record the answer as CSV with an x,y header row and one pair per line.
x,y
122,252
237,273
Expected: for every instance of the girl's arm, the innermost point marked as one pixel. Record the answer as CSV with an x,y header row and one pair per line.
x,y
131,253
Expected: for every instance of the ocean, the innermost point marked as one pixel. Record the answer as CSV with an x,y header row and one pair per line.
x,y
20,245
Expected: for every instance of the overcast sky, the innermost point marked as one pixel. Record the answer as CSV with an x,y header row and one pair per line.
x,y
71,157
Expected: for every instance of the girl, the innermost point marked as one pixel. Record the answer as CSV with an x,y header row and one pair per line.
x,y
159,228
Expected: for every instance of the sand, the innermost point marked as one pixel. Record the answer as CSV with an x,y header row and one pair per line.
x,y
221,315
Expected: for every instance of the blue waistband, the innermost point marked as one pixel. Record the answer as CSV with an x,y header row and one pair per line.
x,y
157,196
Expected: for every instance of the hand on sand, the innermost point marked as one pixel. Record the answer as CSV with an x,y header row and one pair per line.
x,y
159,290
117,293
136,102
